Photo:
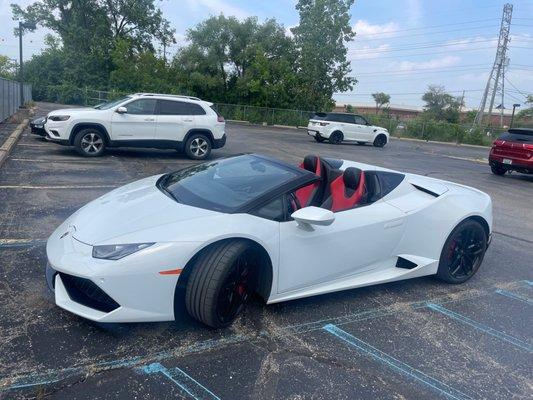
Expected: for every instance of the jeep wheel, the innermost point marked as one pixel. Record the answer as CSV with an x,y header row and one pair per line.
x,y
198,146
90,142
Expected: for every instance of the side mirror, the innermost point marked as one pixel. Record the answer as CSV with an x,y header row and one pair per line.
x,y
308,216
122,110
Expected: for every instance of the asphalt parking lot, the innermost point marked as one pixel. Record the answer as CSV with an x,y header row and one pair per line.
x,y
416,339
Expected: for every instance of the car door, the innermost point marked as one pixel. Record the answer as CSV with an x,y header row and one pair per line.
x,y
352,244
348,127
137,123
364,130
174,119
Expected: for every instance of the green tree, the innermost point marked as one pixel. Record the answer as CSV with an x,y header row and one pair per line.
x,y
90,30
380,99
8,67
320,38
440,105
228,60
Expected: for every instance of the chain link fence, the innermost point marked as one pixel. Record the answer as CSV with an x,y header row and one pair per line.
x,y
10,99
418,128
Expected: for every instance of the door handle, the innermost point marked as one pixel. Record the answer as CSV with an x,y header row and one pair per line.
x,y
394,223
149,119
187,120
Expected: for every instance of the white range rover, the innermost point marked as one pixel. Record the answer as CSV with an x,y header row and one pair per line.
x,y
336,127
140,120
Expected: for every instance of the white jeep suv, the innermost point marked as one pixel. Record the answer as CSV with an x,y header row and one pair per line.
x,y
336,127
140,120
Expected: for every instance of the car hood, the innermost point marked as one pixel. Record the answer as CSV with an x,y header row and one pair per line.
x,y
132,208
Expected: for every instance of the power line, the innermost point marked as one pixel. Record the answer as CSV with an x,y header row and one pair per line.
x,y
485,27
518,90
405,94
427,27
427,46
418,54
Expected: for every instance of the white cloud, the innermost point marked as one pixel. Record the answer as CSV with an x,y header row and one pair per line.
x,y
216,7
367,52
366,29
414,10
440,62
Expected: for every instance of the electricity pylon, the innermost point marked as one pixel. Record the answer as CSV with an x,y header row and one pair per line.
x,y
495,81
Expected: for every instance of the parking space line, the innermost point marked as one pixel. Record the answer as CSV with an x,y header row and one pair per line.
x,y
481,327
17,243
35,378
187,383
514,296
396,364
37,187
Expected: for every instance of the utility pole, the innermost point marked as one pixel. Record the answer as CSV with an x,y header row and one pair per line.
x,y
23,25
494,83
21,72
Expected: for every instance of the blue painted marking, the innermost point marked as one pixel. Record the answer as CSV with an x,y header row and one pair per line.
x,y
481,327
396,364
514,296
529,283
188,384
22,244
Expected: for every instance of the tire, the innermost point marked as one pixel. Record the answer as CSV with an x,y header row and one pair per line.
x,y
198,146
463,252
380,140
90,142
220,284
497,170
336,137
319,139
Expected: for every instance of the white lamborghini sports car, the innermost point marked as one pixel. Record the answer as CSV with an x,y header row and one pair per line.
x,y
207,237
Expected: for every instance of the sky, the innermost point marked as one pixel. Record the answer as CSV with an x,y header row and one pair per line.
x,y
400,48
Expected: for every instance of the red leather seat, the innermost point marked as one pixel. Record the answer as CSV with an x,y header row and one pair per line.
x,y
306,194
347,190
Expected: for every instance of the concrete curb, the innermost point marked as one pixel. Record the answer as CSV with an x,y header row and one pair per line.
x,y
476,146
11,141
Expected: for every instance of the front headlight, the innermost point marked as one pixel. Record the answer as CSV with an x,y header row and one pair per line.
x,y
118,251
59,117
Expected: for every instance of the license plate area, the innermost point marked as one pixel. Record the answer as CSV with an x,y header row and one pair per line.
x,y
507,161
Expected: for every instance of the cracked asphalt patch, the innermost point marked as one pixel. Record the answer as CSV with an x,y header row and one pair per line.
x,y
273,352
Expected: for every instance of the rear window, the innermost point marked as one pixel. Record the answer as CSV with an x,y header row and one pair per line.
x,y
518,135
172,107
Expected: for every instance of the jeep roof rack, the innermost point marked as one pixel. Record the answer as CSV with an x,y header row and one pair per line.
x,y
179,96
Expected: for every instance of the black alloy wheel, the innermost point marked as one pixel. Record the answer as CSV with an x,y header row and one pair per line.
x,y
234,292
380,141
463,252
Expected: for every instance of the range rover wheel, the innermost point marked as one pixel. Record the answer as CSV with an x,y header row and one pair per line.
x,y
198,146
336,137
90,142
380,141
463,252
221,283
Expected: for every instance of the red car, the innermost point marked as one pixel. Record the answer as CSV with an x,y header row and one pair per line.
x,y
512,151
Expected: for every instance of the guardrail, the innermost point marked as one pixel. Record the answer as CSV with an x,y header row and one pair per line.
x,y
10,99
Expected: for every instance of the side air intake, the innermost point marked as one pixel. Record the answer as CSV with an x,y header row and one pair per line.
x,y
405,264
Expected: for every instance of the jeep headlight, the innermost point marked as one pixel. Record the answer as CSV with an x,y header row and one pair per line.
x,y
118,251
59,117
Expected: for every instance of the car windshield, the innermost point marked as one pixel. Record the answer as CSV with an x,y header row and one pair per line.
x,y
110,104
228,184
